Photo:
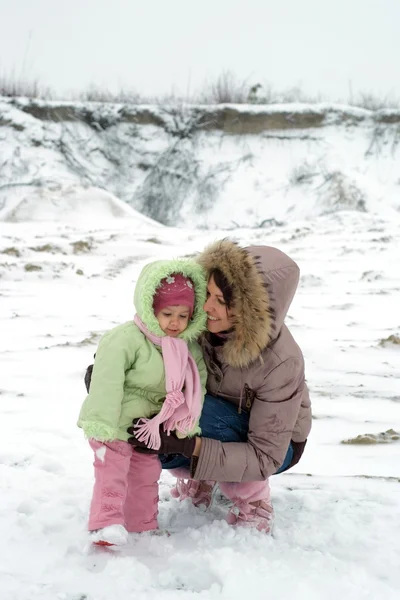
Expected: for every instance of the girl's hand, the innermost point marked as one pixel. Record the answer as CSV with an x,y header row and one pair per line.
x,y
170,444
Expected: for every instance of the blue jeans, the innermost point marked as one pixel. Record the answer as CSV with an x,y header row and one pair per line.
x,y
221,421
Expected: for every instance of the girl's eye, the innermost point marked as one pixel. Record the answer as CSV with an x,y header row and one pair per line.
x,y
167,314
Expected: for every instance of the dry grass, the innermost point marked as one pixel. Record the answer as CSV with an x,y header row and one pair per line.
x,y
385,437
226,88
12,251
51,248
29,267
12,86
371,101
82,246
96,94
392,339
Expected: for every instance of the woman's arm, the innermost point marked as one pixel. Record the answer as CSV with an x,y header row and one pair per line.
x,y
272,420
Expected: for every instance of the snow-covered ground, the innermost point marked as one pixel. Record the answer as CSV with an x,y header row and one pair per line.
x,y
337,531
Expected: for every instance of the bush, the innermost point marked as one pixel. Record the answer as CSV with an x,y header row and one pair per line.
x,y
96,94
226,89
371,101
339,193
12,86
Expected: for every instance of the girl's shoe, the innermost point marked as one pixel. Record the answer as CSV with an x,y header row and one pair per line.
x,y
200,492
113,535
258,515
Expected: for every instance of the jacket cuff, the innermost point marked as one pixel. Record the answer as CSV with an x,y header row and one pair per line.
x,y
204,465
98,431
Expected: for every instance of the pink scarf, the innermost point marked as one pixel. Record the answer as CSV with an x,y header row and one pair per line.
x,y
180,409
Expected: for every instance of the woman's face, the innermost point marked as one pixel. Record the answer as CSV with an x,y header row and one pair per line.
x,y
220,317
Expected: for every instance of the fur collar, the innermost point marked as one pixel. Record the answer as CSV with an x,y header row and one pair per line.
x,y
253,321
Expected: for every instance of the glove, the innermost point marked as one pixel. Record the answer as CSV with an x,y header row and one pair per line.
x,y
170,444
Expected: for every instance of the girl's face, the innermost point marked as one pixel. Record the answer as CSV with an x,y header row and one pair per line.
x,y
220,317
173,319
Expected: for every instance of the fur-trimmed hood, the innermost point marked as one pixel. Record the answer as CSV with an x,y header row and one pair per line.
x,y
149,281
264,281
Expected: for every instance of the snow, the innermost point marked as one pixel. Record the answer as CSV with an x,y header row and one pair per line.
x,y
100,453
292,107
162,164
321,108
71,249
337,525
113,534
70,204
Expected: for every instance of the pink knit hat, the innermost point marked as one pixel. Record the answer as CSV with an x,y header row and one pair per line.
x,y
172,291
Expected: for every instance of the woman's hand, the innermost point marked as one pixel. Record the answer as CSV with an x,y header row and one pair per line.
x,y
170,444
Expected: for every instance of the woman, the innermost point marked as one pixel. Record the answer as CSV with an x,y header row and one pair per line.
x,y
256,415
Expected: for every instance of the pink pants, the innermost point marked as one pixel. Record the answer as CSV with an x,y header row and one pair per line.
x,y
125,488
250,491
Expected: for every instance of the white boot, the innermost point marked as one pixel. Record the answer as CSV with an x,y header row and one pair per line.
x,y
113,535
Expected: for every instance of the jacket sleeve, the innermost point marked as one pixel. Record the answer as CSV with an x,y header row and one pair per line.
x,y
272,420
101,410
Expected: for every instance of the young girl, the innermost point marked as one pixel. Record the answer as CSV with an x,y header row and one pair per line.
x,y
149,366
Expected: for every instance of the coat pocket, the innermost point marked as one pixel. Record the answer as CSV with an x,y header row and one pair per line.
x,y
249,396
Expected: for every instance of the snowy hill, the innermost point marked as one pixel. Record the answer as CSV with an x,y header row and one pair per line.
x,y
205,166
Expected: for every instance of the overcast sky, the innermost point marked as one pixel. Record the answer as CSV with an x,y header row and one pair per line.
x,y
159,46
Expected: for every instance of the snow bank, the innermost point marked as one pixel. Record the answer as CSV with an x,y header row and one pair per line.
x,y
199,166
71,204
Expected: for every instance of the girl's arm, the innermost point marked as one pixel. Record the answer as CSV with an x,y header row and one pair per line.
x,y
100,413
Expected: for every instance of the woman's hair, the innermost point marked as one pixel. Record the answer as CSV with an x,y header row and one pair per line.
x,y
224,285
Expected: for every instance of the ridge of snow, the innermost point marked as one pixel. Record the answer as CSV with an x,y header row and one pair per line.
x,y
70,204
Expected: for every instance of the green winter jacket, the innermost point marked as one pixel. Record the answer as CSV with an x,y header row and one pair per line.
x,y
128,379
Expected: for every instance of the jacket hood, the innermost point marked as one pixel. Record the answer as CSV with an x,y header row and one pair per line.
x,y
149,280
264,281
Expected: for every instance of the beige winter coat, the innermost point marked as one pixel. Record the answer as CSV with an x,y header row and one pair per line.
x,y
260,368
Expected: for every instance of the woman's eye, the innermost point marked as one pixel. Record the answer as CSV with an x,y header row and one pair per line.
x,y
221,302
